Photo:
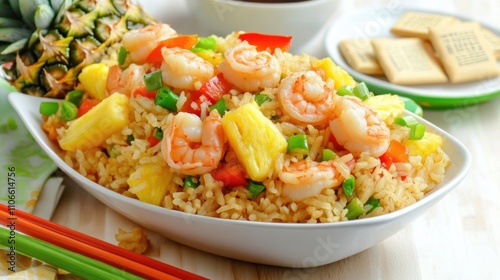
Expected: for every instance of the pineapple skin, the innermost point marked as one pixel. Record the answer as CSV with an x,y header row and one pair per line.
x,y
81,34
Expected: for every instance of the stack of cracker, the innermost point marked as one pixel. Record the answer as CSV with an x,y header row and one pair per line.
x,y
430,49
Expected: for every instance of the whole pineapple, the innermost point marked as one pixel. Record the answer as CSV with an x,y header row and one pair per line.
x,y
46,43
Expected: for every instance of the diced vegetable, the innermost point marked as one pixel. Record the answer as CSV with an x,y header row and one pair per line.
x,y
86,105
167,99
387,106
129,139
69,111
412,106
261,99
48,108
255,188
361,91
231,175
215,88
373,203
191,182
75,97
122,55
267,41
417,131
345,90
158,133
254,138
210,56
153,141
93,79
348,185
328,155
336,73
181,41
150,182
297,144
205,43
92,129
396,152
354,209
153,81
408,121
144,92
427,145
220,106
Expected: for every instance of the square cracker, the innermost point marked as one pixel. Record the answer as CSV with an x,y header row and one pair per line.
x,y
417,24
408,61
360,55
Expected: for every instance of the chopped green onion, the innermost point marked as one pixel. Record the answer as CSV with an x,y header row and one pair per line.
x,y
75,97
129,139
417,131
255,188
345,90
413,107
354,209
167,99
69,111
298,144
112,152
158,133
261,99
220,106
48,108
407,121
122,55
205,43
191,182
328,155
153,80
361,91
373,202
348,186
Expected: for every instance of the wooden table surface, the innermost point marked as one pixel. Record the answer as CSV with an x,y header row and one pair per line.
x,y
458,238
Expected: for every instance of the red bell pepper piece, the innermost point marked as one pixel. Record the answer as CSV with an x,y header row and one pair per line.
x,y
232,175
153,141
267,41
144,92
86,105
397,152
182,41
215,88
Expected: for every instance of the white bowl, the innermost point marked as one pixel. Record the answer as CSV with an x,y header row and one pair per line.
x,y
280,244
302,20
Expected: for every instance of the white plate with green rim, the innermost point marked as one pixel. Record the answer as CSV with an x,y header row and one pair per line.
x,y
375,22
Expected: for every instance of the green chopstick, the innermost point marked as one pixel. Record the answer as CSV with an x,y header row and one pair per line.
x,y
61,258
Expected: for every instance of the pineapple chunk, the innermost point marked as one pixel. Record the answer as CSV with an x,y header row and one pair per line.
x,y
93,79
336,73
210,56
425,146
387,106
98,124
254,138
150,182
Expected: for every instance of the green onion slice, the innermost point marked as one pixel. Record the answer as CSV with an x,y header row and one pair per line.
x,y
354,209
361,91
69,111
328,155
191,182
298,144
167,99
348,185
261,99
220,106
75,97
417,131
345,90
153,80
373,202
407,121
48,108
122,55
255,188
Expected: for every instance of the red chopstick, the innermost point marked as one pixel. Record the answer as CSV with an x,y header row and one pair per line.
x,y
94,248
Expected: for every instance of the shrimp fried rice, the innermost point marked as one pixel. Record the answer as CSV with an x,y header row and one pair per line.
x,y
245,162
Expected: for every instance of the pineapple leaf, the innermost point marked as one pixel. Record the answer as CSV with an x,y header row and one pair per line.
x,y
9,22
28,9
14,47
43,16
6,11
12,34
14,4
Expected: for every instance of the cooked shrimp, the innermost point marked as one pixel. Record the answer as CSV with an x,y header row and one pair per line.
x,y
358,128
248,69
125,81
140,42
192,146
183,69
307,178
306,98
